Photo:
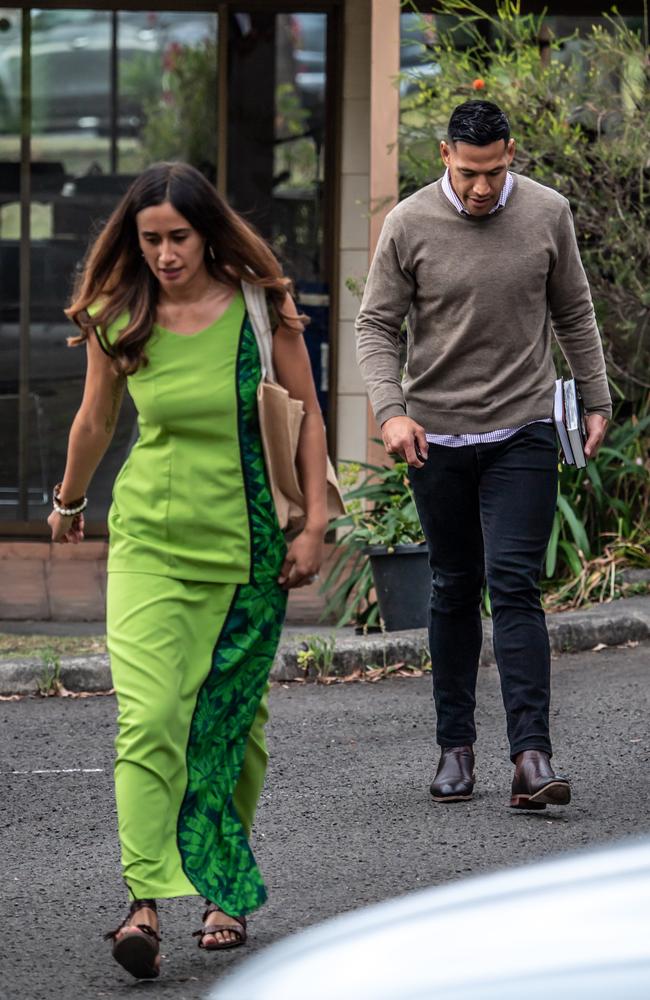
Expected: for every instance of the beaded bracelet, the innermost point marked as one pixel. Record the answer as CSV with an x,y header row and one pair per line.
x,y
76,507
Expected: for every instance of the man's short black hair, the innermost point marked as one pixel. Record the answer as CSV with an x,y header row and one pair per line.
x,y
478,123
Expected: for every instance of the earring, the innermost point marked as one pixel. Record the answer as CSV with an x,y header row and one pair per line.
x,y
211,252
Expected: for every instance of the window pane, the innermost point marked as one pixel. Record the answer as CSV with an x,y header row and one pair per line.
x,y
111,92
10,29
276,153
168,88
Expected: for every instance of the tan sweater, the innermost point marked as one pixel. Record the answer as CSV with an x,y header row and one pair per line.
x,y
481,297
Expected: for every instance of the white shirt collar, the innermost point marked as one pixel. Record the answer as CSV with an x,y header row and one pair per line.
x,y
457,203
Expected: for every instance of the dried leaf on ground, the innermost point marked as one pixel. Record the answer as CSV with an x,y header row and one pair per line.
x,y
62,692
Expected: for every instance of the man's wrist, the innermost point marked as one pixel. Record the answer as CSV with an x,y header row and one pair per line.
x,y
315,526
388,412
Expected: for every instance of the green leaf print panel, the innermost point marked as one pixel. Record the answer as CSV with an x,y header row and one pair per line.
x,y
215,851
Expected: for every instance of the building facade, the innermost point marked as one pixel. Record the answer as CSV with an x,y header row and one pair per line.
x,y
273,101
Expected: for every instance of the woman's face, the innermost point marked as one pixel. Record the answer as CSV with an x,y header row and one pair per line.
x,y
172,248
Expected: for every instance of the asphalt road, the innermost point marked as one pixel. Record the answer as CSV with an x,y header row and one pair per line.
x,y
346,818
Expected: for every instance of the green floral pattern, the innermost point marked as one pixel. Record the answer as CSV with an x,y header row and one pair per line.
x,y
214,848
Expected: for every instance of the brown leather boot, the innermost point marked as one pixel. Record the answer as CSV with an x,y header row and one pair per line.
x,y
535,784
454,780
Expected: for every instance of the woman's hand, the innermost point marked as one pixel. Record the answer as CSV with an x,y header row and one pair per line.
x,y
66,529
303,559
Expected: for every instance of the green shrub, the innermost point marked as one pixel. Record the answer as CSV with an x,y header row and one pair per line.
x,y
602,519
380,511
581,120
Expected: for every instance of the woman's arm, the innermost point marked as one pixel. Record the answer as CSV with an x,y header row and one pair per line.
x,y
90,436
293,371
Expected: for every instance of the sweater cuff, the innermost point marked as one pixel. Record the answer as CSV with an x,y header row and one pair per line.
x,y
604,411
384,413
596,397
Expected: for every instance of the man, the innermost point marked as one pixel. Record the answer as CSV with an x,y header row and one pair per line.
x,y
484,264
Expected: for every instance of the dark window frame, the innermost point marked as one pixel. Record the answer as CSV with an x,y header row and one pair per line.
x,y
22,526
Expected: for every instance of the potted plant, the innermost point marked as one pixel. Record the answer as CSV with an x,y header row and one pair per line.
x,y
380,572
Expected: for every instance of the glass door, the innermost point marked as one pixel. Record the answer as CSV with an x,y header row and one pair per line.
x,y
88,98
277,145
107,93
10,224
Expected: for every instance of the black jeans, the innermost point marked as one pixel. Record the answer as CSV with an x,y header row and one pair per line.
x,y
487,510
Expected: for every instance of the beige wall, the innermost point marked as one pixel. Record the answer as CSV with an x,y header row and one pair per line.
x,y
352,430
368,176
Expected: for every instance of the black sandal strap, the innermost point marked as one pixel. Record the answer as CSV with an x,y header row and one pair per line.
x,y
238,928
238,931
145,928
148,929
142,904
137,904
213,908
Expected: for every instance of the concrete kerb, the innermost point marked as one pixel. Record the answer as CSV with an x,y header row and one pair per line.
x,y
569,632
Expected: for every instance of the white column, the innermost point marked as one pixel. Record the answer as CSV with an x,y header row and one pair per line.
x,y
369,175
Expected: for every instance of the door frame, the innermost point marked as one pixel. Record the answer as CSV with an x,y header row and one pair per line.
x,y
22,526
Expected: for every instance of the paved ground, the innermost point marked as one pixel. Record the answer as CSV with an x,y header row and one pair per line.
x,y
346,818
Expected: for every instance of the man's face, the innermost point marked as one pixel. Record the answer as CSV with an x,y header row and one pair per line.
x,y
478,173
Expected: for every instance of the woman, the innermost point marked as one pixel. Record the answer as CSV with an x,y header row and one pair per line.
x,y
198,569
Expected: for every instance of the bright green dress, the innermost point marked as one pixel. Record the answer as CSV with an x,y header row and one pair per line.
x,y
194,615
179,503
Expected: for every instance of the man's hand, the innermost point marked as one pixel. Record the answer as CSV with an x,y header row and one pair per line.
x,y
596,429
402,436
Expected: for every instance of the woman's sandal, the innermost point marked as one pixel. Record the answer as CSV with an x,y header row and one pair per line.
x,y
138,947
238,929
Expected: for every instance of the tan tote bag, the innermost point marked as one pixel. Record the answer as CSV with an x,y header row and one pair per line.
x,y
281,419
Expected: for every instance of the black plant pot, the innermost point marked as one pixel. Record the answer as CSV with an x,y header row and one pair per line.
x,y
402,580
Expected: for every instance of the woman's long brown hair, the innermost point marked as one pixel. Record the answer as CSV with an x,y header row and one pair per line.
x,y
117,279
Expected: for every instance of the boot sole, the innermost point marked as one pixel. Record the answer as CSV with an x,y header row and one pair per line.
x,y
556,793
137,955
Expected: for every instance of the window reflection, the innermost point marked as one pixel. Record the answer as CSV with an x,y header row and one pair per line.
x,y
10,20
111,92
276,153
299,142
168,89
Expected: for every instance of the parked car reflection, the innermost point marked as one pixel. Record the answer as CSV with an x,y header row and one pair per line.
x,y
71,64
309,52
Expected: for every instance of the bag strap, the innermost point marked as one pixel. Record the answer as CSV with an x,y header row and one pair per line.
x,y
258,310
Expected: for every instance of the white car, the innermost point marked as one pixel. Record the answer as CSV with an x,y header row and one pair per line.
x,y
71,64
575,928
